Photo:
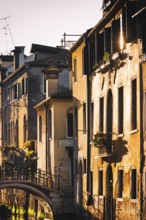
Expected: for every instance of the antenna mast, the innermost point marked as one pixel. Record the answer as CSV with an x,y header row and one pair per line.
x,y
7,25
5,28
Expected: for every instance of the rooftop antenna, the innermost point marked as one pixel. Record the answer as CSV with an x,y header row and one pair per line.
x,y
68,41
7,25
5,28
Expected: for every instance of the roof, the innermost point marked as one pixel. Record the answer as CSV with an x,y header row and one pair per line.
x,y
62,59
62,95
140,12
6,57
38,47
65,95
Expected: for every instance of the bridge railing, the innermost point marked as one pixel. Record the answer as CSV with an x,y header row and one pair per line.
x,y
40,177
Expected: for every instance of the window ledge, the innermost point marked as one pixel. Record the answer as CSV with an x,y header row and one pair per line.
x,y
100,197
120,135
120,199
134,200
134,131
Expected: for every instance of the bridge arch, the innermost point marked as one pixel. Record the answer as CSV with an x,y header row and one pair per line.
x,y
48,204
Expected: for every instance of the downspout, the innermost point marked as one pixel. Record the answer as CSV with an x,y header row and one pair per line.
x,y
88,125
142,158
46,106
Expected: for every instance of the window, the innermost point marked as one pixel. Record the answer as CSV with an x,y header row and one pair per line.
x,y
76,121
120,110
17,132
145,111
100,46
134,105
40,128
144,37
84,165
120,183
115,35
75,69
101,113
83,62
91,121
24,86
100,182
145,184
44,85
6,134
69,124
84,118
11,95
133,184
15,91
107,40
50,123
24,128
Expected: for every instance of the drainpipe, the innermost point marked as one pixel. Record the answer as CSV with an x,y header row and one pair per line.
x,y
46,106
88,125
142,157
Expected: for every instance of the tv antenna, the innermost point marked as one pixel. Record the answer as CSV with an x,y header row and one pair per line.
x,y
7,26
5,29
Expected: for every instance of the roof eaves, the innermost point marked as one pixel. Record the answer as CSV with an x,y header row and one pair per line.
x,y
24,67
42,103
112,12
139,12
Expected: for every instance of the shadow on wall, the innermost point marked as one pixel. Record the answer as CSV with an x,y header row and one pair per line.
x,y
120,149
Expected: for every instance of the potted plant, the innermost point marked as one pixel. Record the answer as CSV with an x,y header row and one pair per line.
x,y
100,139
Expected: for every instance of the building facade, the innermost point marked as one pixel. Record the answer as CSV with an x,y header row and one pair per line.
x,y
109,146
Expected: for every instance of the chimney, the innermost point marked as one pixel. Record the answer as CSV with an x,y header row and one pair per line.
x,y
3,71
18,57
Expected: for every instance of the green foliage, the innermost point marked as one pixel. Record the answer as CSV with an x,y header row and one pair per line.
x,y
100,139
29,145
106,56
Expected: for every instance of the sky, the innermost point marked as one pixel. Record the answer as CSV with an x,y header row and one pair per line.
x,y
44,22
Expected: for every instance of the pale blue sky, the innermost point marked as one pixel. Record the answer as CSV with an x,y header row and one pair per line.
x,y
45,21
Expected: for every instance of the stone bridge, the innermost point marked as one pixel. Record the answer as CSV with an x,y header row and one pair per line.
x,y
46,187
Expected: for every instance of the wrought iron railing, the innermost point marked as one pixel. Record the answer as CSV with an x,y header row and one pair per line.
x,y
39,177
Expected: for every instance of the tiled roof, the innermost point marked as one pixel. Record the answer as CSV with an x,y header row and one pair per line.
x,y
58,95
6,57
38,47
62,59
62,95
